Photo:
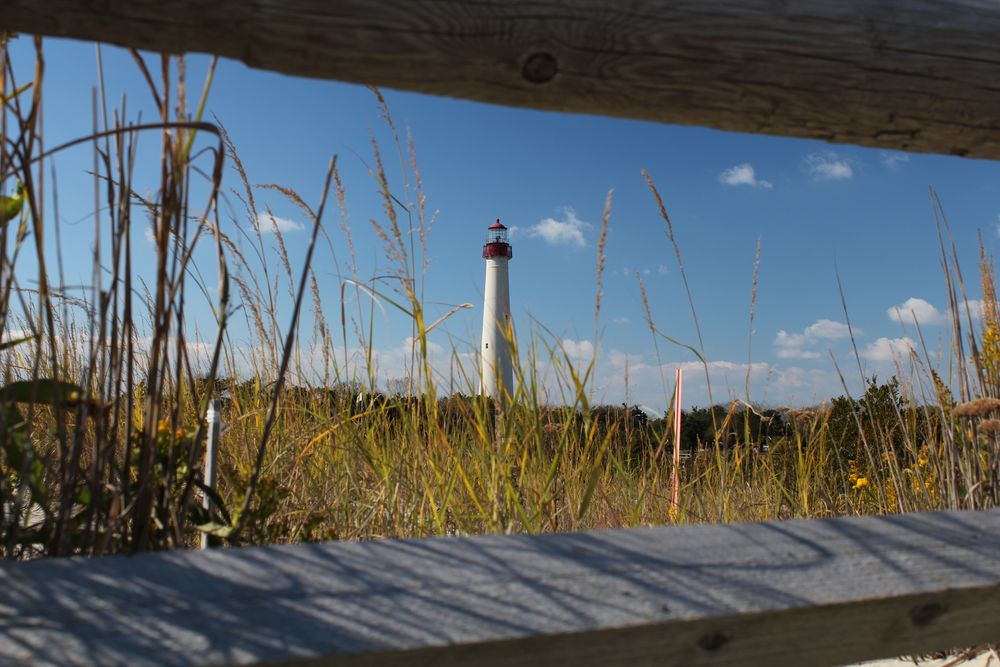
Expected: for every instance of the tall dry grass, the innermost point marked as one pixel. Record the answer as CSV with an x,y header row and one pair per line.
x,y
101,434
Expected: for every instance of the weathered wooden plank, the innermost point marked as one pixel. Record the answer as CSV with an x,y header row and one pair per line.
x,y
789,593
917,75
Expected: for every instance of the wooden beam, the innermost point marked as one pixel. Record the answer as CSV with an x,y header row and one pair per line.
x,y
784,593
915,75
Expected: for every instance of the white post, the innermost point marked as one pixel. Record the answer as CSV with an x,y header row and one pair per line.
x,y
214,422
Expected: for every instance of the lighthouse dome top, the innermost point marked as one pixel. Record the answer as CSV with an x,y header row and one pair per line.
x,y
497,244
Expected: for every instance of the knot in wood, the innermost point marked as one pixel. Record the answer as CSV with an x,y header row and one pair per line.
x,y
540,67
713,641
925,614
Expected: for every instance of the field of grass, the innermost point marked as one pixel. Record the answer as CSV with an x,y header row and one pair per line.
x,y
101,439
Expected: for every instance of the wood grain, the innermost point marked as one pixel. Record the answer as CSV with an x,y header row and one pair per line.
x,y
789,593
915,75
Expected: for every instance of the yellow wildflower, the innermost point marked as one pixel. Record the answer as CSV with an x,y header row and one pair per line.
x,y
164,426
179,433
861,483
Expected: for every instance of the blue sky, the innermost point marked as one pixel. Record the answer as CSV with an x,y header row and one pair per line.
x,y
817,208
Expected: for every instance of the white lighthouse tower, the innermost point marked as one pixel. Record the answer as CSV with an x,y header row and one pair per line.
x,y
497,377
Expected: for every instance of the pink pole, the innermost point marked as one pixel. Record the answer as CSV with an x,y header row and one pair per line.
x,y
675,476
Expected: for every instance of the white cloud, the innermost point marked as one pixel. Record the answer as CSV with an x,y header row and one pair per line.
x,y
827,329
976,308
795,385
577,350
894,160
619,359
268,224
26,349
743,174
622,320
393,363
644,383
828,166
568,231
199,352
411,344
914,308
16,334
610,384
927,314
787,340
663,269
799,345
797,353
888,349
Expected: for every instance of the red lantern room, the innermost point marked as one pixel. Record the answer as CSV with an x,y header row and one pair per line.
x,y
496,242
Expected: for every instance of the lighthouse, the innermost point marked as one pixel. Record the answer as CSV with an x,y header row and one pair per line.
x,y
497,377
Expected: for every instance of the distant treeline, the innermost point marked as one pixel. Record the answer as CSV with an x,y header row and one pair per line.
x,y
878,416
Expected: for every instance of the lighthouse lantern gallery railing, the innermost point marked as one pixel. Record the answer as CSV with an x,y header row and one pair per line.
x,y
497,250
916,75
